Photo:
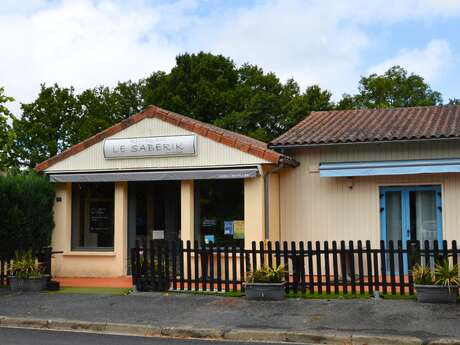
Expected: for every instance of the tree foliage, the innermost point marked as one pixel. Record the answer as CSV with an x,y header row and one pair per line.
x,y
394,88
206,87
6,134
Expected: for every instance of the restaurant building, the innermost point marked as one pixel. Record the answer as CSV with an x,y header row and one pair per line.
x,y
159,175
387,174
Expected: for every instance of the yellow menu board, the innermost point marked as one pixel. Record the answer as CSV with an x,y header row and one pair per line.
x,y
238,229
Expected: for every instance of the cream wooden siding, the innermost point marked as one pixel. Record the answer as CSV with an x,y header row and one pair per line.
x,y
210,153
314,208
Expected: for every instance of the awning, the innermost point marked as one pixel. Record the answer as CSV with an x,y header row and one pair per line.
x,y
409,167
163,175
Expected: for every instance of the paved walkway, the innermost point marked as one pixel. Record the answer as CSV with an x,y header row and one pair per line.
x,y
359,316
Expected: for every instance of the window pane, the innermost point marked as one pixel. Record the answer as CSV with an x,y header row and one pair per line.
x,y
393,216
424,209
221,212
92,215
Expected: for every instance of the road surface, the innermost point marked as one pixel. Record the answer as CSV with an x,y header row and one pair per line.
x,y
19,336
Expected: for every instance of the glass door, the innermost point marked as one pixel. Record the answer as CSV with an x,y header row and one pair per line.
x,y
410,213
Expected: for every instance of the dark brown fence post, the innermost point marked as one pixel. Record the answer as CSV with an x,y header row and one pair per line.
x,y
270,254
204,268
211,266
454,252
370,286
234,273
226,270
242,272
426,253
327,271
360,267
196,264
254,256
352,267
383,266
402,289
391,254
303,287
181,264
219,268
436,251
261,253
335,267
310,268
189,266
174,264
343,264
277,254
295,268
286,265
319,275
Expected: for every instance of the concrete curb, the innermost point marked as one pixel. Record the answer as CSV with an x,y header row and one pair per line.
x,y
313,337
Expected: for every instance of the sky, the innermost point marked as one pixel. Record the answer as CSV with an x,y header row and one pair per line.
x,y
332,43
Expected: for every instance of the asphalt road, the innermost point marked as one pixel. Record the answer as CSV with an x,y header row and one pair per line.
x,y
20,336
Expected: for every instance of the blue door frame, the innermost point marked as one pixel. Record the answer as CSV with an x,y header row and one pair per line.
x,y
405,209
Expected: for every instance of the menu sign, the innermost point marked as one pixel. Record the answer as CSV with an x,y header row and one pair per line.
x,y
100,219
162,146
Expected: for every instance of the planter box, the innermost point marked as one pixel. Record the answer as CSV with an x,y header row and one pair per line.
x,y
31,284
436,293
264,291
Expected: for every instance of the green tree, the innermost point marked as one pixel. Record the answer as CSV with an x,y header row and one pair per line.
x,y
6,133
46,125
394,88
200,86
101,107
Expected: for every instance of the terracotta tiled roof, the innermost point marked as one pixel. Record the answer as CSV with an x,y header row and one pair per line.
x,y
374,125
235,140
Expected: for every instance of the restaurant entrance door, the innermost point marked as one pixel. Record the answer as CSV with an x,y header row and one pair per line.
x,y
153,211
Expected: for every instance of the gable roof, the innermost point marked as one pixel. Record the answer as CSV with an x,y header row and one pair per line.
x,y
238,141
374,125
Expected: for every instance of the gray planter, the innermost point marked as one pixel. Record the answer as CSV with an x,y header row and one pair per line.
x,y
30,284
436,293
264,291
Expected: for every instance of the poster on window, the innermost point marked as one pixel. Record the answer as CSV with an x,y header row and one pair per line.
x,y
238,229
228,227
99,216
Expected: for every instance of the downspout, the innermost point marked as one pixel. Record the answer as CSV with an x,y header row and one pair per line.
x,y
266,176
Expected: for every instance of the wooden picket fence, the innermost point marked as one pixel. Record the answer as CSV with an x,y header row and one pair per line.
x,y
310,268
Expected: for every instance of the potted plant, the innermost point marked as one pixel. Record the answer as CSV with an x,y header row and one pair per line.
x,y
26,273
438,286
265,283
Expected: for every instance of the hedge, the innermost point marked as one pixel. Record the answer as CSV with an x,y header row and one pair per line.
x,y
26,213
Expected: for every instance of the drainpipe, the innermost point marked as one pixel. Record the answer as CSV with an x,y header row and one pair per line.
x,y
266,176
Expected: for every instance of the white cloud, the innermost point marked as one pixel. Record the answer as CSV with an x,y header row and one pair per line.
x,y
85,43
429,62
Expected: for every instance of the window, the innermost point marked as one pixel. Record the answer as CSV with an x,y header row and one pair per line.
x,y
92,216
220,212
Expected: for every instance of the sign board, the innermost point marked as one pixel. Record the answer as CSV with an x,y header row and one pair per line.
x,y
238,229
208,239
162,146
158,235
228,227
99,216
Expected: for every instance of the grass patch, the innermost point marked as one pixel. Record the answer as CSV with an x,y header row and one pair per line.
x,y
93,290
209,293
326,296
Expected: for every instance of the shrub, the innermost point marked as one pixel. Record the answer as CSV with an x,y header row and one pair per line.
x,y
26,266
422,275
446,276
266,274
26,213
